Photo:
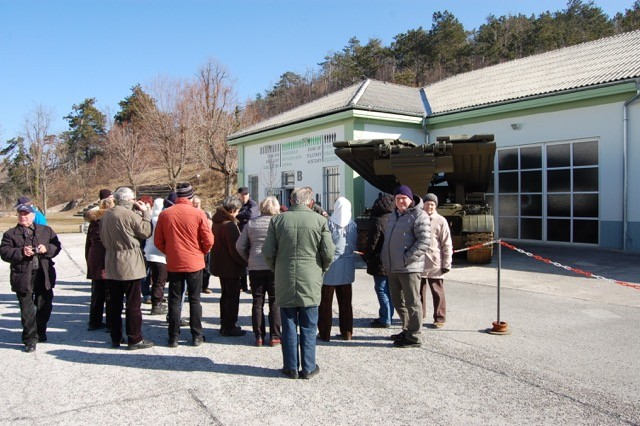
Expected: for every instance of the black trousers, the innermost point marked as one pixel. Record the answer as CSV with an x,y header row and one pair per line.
x,y
229,303
345,311
118,290
99,297
158,281
206,275
177,283
35,309
263,284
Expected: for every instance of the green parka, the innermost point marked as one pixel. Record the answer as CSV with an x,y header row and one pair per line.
x,y
299,250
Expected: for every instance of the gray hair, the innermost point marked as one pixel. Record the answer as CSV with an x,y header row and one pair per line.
x,y
124,194
231,204
302,196
270,206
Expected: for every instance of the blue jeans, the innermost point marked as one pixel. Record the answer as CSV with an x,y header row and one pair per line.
x,y
307,320
385,312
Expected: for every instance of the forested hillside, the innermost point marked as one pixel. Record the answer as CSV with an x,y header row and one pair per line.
x,y
422,56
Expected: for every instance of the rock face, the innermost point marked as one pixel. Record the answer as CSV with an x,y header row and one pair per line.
x,y
73,204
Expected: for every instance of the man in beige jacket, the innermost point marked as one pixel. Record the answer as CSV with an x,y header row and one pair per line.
x,y
437,262
121,231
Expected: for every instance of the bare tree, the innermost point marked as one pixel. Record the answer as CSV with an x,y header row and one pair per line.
x,y
269,175
41,151
215,117
167,122
127,147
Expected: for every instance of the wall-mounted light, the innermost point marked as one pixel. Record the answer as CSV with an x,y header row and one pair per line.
x,y
516,126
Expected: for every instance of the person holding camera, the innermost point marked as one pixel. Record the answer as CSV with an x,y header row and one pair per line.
x,y
29,248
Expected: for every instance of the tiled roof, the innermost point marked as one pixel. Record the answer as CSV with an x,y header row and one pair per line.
x,y
603,61
598,62
369,95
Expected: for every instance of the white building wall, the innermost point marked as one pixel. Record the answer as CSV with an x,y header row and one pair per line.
x,y
377,131
305,155
603,123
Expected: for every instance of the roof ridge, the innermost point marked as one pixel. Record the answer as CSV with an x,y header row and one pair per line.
x,y
356,97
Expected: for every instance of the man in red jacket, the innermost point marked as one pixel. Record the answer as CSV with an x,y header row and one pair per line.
x,y
183,235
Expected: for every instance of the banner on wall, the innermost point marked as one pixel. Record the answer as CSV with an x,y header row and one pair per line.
x,y
307,150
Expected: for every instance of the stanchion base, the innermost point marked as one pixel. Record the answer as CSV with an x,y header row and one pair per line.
x,y
499,328
499,333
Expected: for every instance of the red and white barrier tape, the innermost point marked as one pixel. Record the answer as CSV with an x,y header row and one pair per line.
x,y
570,268
477,246
548,261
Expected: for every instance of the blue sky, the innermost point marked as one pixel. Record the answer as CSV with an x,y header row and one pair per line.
x,y
56,53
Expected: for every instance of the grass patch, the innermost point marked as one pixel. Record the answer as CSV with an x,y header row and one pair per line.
x,y
61,223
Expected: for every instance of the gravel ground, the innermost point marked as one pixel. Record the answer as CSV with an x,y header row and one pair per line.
x,y
571,357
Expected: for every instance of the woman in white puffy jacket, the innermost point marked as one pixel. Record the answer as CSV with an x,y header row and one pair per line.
x,y
341,273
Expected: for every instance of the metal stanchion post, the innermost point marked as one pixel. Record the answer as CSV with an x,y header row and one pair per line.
x,y
499,327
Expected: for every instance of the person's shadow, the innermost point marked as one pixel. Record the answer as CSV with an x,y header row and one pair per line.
x,y
124,358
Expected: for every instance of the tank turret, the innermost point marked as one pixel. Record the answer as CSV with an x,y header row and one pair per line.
x,y
456,168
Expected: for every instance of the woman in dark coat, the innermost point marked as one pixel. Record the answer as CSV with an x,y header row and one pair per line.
x,y
94,255
380,212
227,264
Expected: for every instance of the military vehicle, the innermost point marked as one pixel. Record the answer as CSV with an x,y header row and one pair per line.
x,y
457,169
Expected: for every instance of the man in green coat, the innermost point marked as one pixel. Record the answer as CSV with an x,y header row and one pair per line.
x,y
299,250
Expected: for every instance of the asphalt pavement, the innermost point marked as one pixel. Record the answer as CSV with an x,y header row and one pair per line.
x,y
571,356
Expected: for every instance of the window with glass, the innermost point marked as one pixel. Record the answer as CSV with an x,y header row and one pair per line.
x,y
253,187
288,179
548,192
331,187
572,192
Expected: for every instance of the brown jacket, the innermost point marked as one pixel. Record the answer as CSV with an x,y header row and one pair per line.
x,y
225,261
93,248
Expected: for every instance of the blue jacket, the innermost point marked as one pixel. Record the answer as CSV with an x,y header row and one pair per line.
x,y
39,218
343,268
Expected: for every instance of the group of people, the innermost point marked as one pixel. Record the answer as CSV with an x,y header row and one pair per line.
x,y
296,261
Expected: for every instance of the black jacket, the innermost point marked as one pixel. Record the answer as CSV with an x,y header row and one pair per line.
x,y
248,211
11,251
380,212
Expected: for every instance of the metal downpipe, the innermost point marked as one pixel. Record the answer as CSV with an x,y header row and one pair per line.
x,y
625,167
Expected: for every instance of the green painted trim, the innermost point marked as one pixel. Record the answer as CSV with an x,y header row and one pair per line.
x,y
325,121
358,125
357,199
240,176
550,103
290,134
349,128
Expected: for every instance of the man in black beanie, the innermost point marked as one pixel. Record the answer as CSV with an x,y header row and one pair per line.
x,y
104,194
407,238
